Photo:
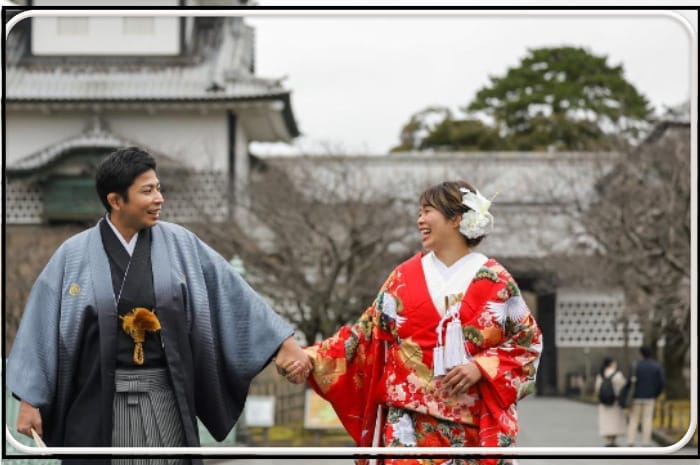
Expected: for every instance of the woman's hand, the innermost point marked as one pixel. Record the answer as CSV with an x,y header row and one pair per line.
x,y
292,362
460,378
295,372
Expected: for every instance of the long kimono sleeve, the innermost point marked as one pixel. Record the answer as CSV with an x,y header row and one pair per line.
x,y
348,369
248,330
235,333
33,362
509,368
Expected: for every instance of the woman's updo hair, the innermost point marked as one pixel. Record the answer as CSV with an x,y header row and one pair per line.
x,y
447,199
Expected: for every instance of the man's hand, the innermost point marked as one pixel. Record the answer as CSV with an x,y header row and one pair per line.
x,y
28,417
292,362
460,378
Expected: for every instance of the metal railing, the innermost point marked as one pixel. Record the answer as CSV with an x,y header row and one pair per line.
x,y
12,406
672,418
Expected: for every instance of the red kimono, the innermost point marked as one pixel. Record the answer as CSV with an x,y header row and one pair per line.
x,y
386,358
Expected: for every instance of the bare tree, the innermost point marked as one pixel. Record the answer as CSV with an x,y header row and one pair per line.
x,y
317,239
642,224
31,247
636,227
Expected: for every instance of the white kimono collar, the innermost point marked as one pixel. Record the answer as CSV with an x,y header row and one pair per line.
x,y
458,280
129,246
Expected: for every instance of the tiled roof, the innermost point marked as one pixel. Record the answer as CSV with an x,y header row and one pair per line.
x,y
518,177
175,83
219,70
536,191
216,69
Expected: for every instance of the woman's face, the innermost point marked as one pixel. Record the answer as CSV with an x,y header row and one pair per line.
x,y
435,229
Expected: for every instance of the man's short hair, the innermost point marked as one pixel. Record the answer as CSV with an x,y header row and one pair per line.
x,y
118,171
645,351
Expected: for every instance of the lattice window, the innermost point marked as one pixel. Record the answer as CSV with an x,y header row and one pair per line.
x,y
202,197
594,320
23,203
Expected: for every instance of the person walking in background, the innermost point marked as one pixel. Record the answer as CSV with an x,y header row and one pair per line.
x,y
136,328
608,385
445,351
648,379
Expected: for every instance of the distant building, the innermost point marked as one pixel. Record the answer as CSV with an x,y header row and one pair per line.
x,y
183,87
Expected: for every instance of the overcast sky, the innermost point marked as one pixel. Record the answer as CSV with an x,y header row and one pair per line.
x,y
357,79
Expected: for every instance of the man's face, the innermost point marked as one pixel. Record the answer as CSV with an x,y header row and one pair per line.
x,y
145,202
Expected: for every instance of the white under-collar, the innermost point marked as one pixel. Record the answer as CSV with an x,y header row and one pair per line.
x,y
444,281
447,271
129,246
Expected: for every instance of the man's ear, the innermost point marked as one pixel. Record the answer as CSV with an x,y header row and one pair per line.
x,y
115,200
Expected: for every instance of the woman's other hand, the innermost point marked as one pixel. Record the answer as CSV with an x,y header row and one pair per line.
x,y
460,378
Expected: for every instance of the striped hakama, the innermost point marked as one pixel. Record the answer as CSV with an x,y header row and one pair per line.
x,y
146,415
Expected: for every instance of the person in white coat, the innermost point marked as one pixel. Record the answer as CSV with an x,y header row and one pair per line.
x,y
611,418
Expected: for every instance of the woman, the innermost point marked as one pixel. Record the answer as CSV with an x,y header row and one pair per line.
x,y
446,349
611,418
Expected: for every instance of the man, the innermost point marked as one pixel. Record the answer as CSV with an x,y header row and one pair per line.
x,y
648,379
136,327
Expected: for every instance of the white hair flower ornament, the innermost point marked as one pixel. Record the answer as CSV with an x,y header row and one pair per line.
x,y
475,221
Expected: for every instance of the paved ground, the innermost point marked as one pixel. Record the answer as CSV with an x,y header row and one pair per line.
x,y
545,422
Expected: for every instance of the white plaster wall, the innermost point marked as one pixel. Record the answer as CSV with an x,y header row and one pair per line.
x,y
199,140
242,167
29,132
70,33
81,35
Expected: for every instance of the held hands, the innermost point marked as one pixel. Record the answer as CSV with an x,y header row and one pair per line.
x,y
292,362
28,417
295,373
460,378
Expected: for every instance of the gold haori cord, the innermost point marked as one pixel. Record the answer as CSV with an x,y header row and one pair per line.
x,y
135,324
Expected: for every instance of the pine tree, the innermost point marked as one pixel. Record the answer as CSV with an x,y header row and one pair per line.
x,y
565,97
